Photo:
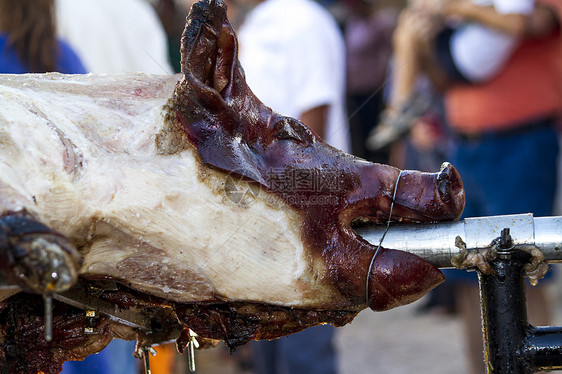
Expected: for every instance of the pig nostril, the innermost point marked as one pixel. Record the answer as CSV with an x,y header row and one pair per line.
x,y
445,190
444,182
445,171
445,165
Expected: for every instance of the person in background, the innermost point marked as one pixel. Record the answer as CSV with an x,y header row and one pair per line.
x,y
451,41
293,54
172,15
368,40
113,36
507,149
28,42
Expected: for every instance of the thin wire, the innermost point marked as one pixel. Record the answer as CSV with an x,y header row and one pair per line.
x,y
382,238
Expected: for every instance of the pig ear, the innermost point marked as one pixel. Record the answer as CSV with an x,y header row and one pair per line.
x,y
210,96
209,54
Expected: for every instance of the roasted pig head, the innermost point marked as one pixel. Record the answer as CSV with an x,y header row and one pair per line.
x,y
291,169
200,205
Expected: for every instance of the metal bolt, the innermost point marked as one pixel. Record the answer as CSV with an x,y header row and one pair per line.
x,y
505,239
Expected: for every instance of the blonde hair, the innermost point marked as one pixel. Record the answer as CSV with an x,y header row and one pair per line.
x,y
30,27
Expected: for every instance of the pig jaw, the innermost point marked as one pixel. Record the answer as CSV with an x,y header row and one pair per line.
x,y
400,278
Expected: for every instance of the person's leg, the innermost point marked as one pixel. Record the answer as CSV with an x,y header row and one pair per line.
x,y
509,174
362,109
468,302
413,56
117,357
406,53
417,46
521,173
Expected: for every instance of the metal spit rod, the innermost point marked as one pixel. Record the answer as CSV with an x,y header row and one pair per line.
x,y
435,242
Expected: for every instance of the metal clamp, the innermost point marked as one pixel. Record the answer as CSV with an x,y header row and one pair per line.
x,y
191,346
438,242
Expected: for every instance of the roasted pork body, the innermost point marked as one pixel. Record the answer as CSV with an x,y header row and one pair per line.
x,y
197,201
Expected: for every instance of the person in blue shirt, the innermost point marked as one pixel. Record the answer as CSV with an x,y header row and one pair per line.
x,y
28,42
116,358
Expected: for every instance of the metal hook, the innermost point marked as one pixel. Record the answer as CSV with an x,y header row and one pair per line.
x,y
193,343
143,353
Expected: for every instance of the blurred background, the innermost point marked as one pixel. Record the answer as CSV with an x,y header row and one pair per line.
x,y
405,100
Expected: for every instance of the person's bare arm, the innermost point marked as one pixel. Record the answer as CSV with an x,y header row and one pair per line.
x,y
514,24
316,119
542,21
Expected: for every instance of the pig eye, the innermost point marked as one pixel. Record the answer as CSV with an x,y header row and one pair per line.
x,y
288,129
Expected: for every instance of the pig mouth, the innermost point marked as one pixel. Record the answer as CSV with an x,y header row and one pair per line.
x,y
380,219
389,213
382,216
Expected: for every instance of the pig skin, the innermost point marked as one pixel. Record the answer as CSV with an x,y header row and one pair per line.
x,y
142,174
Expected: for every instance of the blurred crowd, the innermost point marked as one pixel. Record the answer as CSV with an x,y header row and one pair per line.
x,y
413,84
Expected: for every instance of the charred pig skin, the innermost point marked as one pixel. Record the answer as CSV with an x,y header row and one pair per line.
x,y
195,197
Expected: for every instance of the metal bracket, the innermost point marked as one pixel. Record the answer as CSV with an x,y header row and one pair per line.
x,y
81,297
437,242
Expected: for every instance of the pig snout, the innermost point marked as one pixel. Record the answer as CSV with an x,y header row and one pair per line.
x,y
450,188
430,196
395,277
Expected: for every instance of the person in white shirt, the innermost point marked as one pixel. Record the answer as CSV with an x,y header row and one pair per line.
x,y
113,36
480,51
293,55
